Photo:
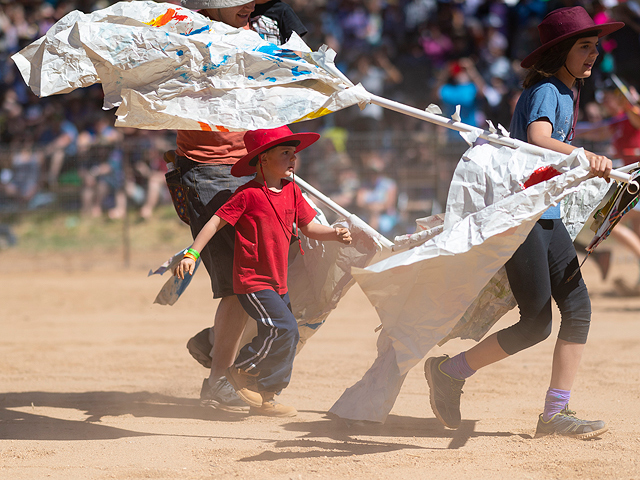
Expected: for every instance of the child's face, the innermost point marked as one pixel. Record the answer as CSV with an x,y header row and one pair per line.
x,y
235,16
582,57
280,160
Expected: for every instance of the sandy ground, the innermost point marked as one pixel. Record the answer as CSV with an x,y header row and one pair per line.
x,y
96,383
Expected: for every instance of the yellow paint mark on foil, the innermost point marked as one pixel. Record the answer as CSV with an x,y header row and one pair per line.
x,y
317,114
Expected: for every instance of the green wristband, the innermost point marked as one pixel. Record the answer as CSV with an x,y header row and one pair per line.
x,y
194,252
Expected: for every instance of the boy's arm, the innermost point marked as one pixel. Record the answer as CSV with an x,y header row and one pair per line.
x,y
187,264
326,233
214,224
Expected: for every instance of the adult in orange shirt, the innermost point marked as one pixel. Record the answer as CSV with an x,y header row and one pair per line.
x,y
205,160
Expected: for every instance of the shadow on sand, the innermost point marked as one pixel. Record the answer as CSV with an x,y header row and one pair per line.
x,y
345,438
19,423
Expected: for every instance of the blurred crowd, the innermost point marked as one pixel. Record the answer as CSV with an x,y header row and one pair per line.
x,y
64,151
416,52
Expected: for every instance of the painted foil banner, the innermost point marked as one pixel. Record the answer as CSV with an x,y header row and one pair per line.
x,y
455,281
167,67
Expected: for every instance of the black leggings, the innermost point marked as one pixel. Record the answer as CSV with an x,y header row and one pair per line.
x,y
538,271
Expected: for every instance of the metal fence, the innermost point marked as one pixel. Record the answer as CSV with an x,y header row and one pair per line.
x,y
388,178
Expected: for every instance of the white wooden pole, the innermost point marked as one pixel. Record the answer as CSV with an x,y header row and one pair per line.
x,y
385,242
618,175
633,187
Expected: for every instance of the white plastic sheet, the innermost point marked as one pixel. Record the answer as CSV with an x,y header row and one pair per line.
x,y
420,295
167,67
322,276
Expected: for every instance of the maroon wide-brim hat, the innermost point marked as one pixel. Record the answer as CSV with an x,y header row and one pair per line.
x,y
258,141
564,23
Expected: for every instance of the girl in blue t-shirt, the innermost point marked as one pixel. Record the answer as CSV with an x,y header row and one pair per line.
x,y
542,266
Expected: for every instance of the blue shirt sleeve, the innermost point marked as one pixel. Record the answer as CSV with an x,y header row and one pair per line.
x,y
546,100
544,104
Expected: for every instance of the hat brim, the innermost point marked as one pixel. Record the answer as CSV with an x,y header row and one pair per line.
x,y
242,168
205,4
602,29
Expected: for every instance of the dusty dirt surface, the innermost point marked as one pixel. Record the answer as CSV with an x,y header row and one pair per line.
x,y
96,383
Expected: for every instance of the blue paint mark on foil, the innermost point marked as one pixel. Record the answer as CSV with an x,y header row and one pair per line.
x,y
312,326
212,66
195,32
297,72
275,51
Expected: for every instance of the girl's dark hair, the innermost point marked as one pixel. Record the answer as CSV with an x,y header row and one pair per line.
x,y
553,59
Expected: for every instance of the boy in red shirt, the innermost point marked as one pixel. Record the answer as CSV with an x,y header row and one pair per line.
x,y
263,212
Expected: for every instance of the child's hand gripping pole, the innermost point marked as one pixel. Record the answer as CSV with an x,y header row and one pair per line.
x,y
344,235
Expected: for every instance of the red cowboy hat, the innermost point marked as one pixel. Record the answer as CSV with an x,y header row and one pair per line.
x,y
258,141
563,23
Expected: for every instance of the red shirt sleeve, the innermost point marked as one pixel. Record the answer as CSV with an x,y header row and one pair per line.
x,y
233,209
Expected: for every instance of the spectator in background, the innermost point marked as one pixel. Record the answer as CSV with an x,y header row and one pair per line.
x,y
627,41
13,120
377,198
145,180
418,12
459,84
347,188
373,71
354,23
333,169
45,18
59,144
436,45
328,158
100,167
622,126
17,28
119,165
19,181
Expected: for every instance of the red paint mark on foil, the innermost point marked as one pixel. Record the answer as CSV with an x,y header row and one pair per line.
x,y
540,175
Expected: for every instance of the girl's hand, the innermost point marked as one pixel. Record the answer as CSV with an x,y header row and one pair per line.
x,y
344,235
186,265
600,165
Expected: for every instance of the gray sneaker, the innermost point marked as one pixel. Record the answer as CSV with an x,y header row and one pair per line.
x,y
200,347
221,396
565,423
444,392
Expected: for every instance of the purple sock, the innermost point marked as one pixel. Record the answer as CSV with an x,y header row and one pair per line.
x,y
457,367
554,402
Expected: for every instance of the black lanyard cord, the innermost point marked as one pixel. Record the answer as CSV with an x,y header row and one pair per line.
x,y
284,226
